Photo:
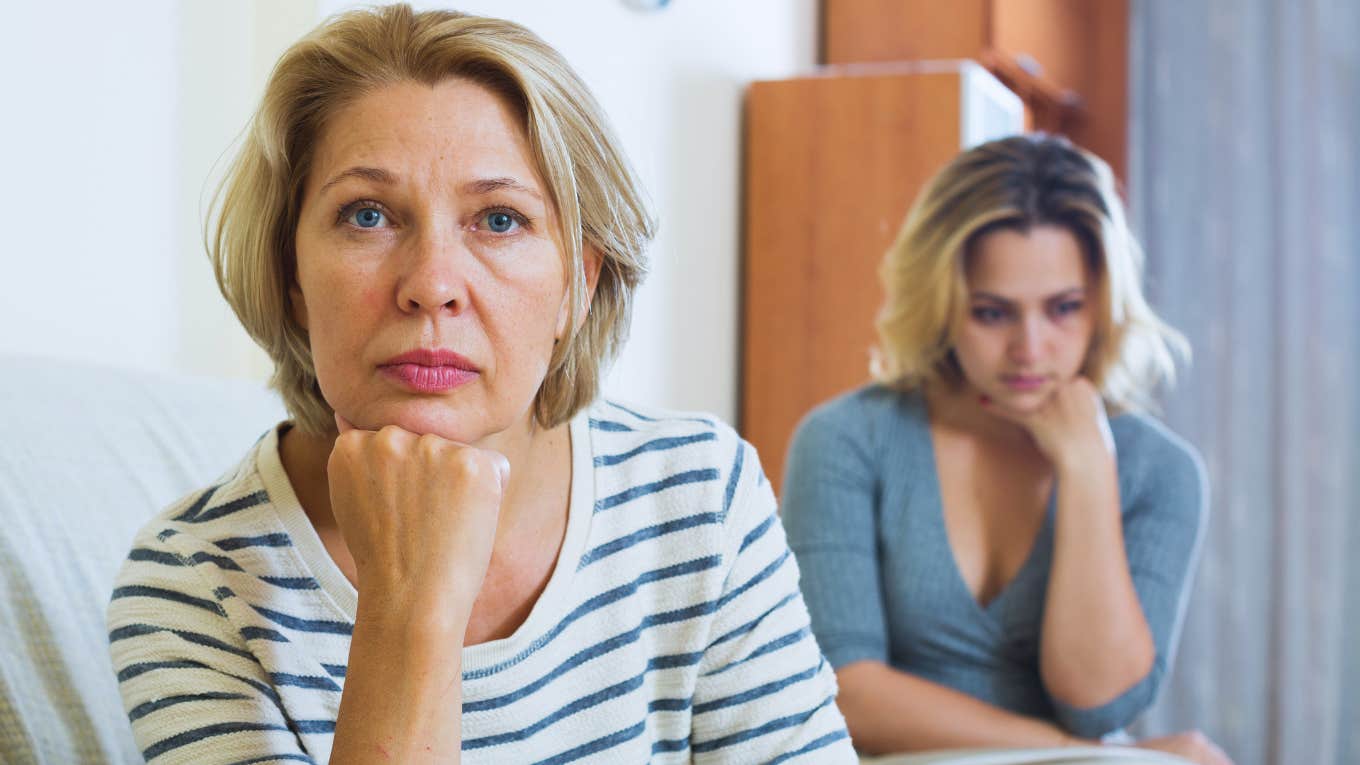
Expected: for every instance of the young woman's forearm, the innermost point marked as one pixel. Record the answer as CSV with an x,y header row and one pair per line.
x,y
891,711
403,689
1095,641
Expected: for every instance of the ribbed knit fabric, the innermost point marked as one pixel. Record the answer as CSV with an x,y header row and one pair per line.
x,y
863,512
672,627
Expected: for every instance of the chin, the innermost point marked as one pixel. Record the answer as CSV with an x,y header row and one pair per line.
x,y
1026,401
436,417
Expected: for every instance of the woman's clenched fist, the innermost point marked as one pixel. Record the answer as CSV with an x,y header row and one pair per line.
x,y
418,513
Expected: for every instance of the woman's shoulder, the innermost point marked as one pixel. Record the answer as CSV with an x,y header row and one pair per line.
x,y
214,522
1150,454
632,435
622,432
872,400
640,450
611,415
1145,438
864,418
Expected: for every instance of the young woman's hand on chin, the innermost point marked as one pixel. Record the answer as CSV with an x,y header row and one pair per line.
x,y
1070,427
419,515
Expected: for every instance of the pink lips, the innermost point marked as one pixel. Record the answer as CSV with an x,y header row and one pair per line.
x,y
1024,382
430,370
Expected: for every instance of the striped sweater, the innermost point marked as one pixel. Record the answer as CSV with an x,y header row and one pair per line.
x,y
671,630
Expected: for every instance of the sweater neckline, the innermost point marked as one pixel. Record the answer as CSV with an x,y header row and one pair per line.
x,y
344,598
991,611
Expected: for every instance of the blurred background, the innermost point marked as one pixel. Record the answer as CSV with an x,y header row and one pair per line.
x,y
781,142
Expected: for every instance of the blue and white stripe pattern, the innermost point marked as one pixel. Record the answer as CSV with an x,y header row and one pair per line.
x,y
672,629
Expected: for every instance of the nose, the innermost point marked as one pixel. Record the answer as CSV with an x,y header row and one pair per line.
x,y
433,276
1027,340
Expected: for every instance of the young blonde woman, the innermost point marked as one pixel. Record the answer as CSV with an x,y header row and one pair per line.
x,y
996,541
454,550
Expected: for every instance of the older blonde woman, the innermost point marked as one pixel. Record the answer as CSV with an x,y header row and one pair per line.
x,y
989,558
453,548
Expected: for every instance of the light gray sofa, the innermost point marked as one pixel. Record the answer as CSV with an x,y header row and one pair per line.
x,y
87,455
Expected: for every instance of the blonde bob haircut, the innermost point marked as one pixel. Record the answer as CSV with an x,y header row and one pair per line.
x,y
1019,183
597,198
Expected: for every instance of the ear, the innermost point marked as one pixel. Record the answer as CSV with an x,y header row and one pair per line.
x,y
591,261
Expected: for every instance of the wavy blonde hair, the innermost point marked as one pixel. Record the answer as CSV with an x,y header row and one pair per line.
x,y
1018,183
598,200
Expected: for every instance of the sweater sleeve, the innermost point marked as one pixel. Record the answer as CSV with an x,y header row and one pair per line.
x,y
1164,520
191,688
764,692
829,508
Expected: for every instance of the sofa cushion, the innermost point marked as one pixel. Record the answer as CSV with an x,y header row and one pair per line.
x,y
87,455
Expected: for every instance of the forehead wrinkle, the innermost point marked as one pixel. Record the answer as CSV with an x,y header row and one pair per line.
x,y
463,140
394,157
374,174
492,185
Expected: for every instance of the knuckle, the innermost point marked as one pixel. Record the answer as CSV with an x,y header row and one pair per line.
x,y
430,445
465,461
389,440
348,446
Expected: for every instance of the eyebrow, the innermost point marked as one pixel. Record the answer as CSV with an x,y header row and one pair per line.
x,y
381,176
1067,293
375,174
491,185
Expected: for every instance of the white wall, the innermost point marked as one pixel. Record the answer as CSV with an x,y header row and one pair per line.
x,y
115,116
86,182
122,135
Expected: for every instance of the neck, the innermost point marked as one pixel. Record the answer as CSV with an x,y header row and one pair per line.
x,y
958,408
533,453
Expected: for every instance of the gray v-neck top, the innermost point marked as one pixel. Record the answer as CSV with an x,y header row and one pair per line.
x,y
862,508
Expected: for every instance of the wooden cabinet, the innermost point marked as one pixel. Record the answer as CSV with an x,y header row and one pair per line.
x,y
1067,59
832,164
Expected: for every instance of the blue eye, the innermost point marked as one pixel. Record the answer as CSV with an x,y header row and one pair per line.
x,y
988,315
1070,306
367,217
500,222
